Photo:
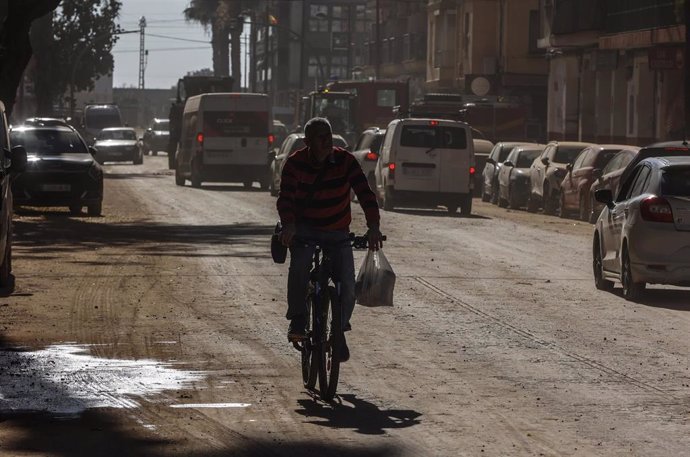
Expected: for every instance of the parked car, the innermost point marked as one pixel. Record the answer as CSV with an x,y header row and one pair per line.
x,y
547,173
46,122
580,174
278,132
61,170
292,143
118,144
157,136
498,155
15,163
643,235
513,177
609,179
482,150
426,162
366,151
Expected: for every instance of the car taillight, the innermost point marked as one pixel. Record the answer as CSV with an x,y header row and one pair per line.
x,y
371,156
200,138
271,140
391,170
472,171
656,209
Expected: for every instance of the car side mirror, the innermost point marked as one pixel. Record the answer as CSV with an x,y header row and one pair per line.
x,y
92,151
18,159
491,161
545,160
569,167
508,163
604,196
596,174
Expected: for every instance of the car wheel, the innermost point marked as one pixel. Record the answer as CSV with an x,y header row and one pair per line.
x,y
532,206
452,208
154,152
513,202
584,210
549,202
248,184
75,210
388,203
466,205
593,216
179,179
632,291
502,202
485,197
195,178
95,209
598,268
6,267
495,197
171,161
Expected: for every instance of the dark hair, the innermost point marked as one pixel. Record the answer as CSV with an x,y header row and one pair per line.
x,y
314,125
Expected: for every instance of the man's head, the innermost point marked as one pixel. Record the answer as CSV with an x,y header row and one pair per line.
x,y
318,136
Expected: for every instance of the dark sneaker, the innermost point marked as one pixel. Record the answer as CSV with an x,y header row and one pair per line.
x,y
297,329
344,352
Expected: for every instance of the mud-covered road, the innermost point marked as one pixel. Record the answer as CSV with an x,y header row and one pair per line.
x,y
159,330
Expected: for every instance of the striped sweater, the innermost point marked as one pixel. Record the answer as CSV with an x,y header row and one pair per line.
x,y
329,207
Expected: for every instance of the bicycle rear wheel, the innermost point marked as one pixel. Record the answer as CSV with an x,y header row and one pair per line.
x,y
309,357
329,345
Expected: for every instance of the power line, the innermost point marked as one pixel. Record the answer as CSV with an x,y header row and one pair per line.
x,y
132,51
179,39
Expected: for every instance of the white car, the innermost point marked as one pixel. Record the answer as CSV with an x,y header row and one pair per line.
x,y
643,235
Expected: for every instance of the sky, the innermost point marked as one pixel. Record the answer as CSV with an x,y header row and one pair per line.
x,y
168,59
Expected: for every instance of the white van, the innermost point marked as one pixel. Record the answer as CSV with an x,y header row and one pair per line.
x,y
426,162
225,138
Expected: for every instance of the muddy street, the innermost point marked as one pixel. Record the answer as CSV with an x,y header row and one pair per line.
x,y
159,330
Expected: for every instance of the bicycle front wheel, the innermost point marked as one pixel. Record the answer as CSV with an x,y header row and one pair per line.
x,y
329,345
309,355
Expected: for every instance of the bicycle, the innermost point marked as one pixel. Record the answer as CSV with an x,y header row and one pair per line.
x,y
324,337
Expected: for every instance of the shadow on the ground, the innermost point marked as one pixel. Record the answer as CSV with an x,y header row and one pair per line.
x,y
437,212
363,417
58,232
673,299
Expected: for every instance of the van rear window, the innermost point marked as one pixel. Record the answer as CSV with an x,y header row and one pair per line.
x,y
236,124
420,136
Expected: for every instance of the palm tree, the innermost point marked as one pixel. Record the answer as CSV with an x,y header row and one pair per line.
x,y
223,17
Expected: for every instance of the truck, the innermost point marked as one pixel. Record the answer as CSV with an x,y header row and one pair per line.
x,y
354,106
190,86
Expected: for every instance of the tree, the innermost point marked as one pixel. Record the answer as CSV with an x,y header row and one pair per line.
x,y
74,49
225,19
15,45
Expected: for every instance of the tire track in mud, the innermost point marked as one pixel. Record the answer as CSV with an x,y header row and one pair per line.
x,y
548,344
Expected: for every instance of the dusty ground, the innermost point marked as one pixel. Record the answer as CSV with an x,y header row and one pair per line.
x,y
159,330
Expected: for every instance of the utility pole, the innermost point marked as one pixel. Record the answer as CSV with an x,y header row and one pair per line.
x,y
686,67
267,45
142,52
377,63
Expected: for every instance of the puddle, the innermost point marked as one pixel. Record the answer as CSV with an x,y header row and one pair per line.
x,y
212,405
66,380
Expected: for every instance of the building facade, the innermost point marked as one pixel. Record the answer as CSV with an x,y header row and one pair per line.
x,y
488,48
616,70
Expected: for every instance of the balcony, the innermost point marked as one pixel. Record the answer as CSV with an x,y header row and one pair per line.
x,y
572,16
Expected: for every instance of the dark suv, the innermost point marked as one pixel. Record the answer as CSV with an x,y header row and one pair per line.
x,y
13,161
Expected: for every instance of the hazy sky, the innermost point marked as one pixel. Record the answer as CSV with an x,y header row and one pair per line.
x,y
168,59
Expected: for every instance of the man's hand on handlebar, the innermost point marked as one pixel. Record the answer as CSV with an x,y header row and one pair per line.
x,y
375,239
287,234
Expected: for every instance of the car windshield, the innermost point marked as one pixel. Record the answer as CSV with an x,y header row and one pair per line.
x,y
567,154
419,136
676,182
117,135
526,158
101,119
48,141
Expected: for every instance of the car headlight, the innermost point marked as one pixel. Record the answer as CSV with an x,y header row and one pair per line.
x,y
95,172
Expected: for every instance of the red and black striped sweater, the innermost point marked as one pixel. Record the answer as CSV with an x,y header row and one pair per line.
x,y
329,207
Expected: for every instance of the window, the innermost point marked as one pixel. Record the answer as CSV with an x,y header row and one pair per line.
x,y
314,69
534,32
581,159
635,184
385,98
676,182
604,157
526,158
318,18
614,164
339,66
566,154
641,182
340,21
433,137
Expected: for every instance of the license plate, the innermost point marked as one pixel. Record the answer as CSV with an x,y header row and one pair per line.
x,y
56,187
418,171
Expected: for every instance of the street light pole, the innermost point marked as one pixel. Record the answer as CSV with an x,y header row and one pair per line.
x,y
378,41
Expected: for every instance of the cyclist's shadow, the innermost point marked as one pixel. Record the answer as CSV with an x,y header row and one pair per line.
x,y
363,417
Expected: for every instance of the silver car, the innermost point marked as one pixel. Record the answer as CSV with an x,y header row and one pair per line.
x,y
643,235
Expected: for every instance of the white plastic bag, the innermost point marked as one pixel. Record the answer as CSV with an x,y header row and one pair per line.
x,y
375,281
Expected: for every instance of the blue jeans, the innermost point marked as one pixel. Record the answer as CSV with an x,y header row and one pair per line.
x,y
343,270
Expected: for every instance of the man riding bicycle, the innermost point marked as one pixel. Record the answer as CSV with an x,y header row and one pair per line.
x,y
314,206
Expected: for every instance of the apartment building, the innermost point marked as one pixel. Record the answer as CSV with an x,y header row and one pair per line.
x,y
487,48
616,69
